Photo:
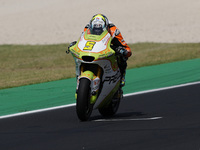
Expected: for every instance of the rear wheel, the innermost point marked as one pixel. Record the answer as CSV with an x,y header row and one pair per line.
x,y
83,106
112,108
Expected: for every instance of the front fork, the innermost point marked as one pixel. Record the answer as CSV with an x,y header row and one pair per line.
x,y
93,73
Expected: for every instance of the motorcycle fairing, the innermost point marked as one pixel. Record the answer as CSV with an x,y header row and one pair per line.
x,y
95,49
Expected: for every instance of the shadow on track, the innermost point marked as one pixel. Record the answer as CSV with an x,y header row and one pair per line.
x,y
122,115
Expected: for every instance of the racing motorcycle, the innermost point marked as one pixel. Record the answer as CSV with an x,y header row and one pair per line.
x,y
98,75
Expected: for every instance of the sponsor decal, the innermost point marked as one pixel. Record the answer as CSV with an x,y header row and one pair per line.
x,y
75,52
112,79
117,32
106,39
96,83
107,68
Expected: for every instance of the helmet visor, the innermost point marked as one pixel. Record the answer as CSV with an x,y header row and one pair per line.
x,y
96,31
97,26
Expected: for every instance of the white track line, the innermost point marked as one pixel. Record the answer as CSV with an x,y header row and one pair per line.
x,y
160,89
70,105
36,111
136,119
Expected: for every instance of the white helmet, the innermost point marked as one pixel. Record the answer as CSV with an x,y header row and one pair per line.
x,y
98,24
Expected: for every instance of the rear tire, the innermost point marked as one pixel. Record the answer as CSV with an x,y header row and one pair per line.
x,y
83,106
112,108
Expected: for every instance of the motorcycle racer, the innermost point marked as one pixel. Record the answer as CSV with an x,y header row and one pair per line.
x,y
100,23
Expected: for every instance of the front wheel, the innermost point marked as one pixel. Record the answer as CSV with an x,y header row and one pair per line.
x,y
83,106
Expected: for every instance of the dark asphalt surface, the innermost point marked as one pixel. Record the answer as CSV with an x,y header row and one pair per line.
x,y
178,129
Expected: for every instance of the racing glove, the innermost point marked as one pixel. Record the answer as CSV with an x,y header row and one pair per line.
x,y
121,51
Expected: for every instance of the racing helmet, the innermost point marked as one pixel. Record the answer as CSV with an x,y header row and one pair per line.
x,y
98,24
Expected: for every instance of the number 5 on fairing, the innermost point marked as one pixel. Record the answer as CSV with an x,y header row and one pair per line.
x,y
89,45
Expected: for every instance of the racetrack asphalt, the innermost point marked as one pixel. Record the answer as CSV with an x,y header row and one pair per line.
x,y
177,126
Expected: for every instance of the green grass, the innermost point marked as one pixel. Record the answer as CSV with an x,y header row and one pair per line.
x,y
30,64
147,54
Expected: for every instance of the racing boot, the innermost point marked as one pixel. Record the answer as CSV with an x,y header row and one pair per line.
x,y
123,80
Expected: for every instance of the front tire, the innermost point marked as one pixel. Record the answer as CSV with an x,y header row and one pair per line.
x,y
83,106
